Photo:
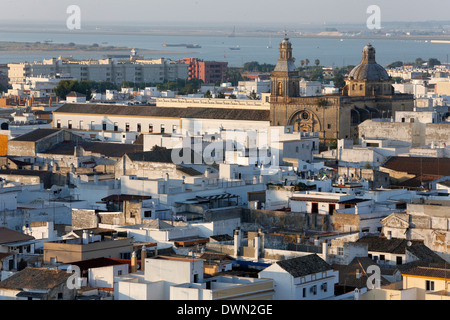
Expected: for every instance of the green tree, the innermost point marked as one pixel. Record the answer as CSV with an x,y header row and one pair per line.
x,y
208,95
64,87
432,62
339,80
396,64
302,63
253,96
419,62
317,62
233,75
316,74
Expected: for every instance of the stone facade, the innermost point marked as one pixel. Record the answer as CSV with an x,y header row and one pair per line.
x,y
368,94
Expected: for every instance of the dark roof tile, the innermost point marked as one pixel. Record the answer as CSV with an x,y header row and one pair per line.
x,y
305,265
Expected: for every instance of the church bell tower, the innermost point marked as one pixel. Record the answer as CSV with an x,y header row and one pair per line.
x,y
285,77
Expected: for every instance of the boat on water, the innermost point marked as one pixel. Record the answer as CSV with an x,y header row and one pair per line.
x,y
190,46
235,48
194,46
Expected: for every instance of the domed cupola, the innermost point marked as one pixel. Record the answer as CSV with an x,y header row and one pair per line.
x,y
368,78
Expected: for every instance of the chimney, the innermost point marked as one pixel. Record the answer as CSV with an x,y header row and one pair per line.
x,y
237,241
143,257
325,251
85,237
257,246
133,262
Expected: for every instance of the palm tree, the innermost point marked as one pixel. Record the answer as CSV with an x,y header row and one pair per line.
x,y
317,62
307,62
302,63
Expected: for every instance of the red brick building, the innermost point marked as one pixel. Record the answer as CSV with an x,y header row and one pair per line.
x,y
208,71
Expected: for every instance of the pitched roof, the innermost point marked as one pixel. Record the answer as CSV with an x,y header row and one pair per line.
x,y
166,112
443,273
157,224
426,255
164,155
36,135
125,197
35,278
347,273
393,245
109,149
305,265
76,94
10,236
96,263
419,165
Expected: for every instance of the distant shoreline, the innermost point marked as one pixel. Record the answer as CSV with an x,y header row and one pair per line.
x,y
254,34
71,49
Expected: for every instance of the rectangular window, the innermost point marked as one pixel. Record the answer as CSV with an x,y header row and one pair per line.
x,y
69,124
331,208
399,260
150,128
304,293
92,125
138,127
314,207
127,127
174,129
104,126
313,290
340,251
116,126
429,285
58,124
81,124
162,128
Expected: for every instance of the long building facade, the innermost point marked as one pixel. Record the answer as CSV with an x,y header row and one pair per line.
x,y
116,71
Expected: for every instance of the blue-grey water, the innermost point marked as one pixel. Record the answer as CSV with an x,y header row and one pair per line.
x,y
330,52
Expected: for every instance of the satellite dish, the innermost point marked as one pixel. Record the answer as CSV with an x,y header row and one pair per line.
x,y
409,243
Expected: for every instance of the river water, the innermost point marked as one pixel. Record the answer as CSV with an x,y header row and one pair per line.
x,y
330,52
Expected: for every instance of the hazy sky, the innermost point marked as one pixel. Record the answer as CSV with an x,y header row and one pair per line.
x,y
287,12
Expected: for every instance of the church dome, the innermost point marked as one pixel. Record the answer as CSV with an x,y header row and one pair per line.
x,y
369,69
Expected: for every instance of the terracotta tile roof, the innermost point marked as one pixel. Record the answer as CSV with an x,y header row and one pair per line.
x,y
96,263
109,149
11,236
419,165
35,278
125,197
442,273
36,135
305,265
347,273
394,245
166,112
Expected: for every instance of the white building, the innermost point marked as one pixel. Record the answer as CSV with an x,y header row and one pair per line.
x,y
150,71
307,277
181,278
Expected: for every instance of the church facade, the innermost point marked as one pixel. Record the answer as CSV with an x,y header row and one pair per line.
x,y
368,94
